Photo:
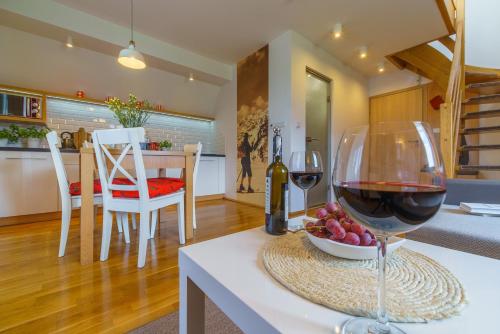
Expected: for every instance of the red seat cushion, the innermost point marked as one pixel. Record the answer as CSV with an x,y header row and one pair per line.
x,y
158,186
75,188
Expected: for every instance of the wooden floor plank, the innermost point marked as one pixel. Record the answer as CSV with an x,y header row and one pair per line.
x,y
41,293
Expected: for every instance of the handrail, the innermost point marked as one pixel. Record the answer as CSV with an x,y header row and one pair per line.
x,y
452,106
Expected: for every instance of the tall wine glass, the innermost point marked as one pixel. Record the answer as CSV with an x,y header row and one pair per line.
x,y
306,170
390,178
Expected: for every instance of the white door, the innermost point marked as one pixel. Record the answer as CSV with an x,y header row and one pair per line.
x,y
318,132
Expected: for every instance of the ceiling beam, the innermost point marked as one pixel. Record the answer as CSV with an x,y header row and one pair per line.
x,y
114,37
427,61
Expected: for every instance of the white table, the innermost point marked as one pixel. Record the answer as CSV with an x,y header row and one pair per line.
x,y
229,270
453,228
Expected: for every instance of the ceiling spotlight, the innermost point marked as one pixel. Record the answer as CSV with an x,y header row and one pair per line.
x,y
191,77
337,31
363,52
69,42
381,68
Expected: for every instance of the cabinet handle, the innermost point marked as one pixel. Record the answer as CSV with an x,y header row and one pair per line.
x,y
25,158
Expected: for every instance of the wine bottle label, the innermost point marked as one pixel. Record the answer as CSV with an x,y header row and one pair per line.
x,y
268,195
285,198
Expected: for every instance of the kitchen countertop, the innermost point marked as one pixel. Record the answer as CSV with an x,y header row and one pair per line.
x,y
72,150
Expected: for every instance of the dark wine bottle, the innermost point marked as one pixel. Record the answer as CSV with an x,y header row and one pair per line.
x,y
277,190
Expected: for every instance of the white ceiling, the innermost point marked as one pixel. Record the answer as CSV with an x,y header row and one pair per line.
x,y
228,30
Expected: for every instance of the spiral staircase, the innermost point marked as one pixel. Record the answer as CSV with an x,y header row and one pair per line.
x,y
472,98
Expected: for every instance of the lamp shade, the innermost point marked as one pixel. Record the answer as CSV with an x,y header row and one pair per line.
x,y
131,58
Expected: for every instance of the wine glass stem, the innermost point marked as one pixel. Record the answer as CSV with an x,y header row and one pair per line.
x,y
382,324
305,202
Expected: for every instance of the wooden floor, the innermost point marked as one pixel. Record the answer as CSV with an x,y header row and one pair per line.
x,y
41,293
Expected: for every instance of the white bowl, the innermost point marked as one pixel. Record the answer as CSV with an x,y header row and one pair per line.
x,y
352,252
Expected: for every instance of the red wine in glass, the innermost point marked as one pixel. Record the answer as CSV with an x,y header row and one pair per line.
x,y
306,180
305,170
391,207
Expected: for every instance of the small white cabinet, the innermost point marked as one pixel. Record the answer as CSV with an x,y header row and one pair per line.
x,y
11,177
211,176
28,183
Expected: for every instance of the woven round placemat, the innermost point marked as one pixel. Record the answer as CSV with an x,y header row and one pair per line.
x,y
418,288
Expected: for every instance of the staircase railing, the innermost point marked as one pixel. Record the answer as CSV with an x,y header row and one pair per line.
x,y
452,106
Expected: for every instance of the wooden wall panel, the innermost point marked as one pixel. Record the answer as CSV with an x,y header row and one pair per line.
x,y
405,105
413,104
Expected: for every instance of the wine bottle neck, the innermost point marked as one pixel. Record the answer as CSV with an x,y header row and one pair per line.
x,y
277,149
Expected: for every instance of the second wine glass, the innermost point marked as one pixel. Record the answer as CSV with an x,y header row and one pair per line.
x,y
306,170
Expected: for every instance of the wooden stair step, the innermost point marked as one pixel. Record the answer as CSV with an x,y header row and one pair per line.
x,y
448,42
482,99
484,88
482,114
467,172
467,131
466,168
479,147
475,74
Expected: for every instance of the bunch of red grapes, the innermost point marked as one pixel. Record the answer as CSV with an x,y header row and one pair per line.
x,y
334,224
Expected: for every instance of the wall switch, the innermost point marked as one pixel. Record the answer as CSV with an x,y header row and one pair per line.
x,y
280,125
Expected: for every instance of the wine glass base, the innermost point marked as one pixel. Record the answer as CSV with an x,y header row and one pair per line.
x,y
367,326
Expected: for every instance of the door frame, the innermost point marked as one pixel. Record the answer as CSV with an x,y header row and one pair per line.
x,y
328,167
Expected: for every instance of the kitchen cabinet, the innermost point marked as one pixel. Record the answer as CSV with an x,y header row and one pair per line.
x,y
211,176
28,183
10,178
208,176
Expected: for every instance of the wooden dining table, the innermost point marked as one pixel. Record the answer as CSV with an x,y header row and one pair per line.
x,y
159,160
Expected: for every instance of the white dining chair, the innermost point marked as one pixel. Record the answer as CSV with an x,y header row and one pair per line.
x,y
194,148
132,194
70,201
121,217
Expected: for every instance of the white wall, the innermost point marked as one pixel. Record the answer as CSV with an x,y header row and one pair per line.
x,y
392,81
225,125
290,54
35,62
482,37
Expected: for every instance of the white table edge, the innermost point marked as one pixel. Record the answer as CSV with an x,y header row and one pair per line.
x,y
242,315
192,322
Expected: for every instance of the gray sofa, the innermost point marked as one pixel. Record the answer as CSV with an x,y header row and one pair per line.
x,y
452,228
474,191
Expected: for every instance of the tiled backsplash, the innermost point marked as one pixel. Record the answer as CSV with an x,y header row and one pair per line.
x,y
69,116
